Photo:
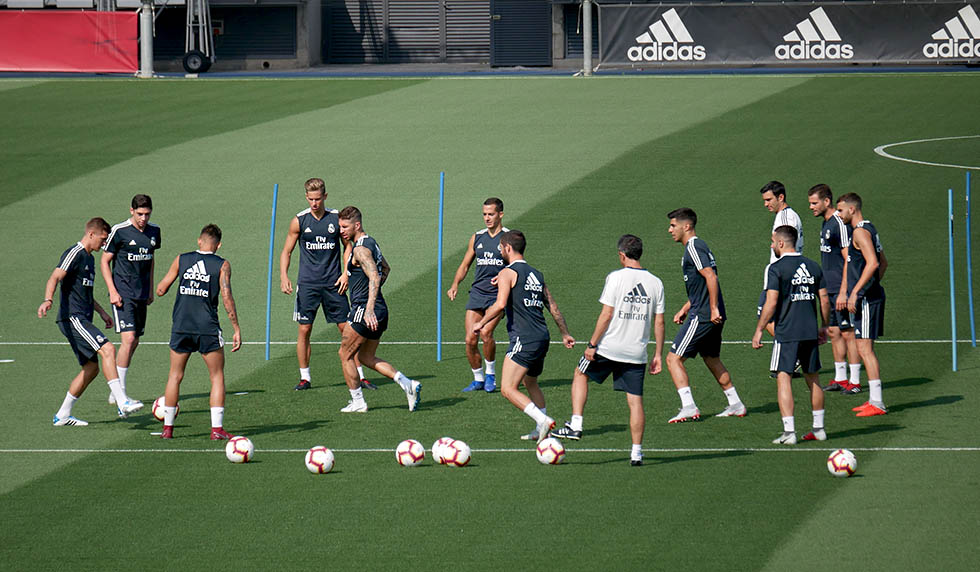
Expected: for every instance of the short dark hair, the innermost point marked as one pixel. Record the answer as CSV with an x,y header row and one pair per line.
x,y
212,232
515,239
142,202
97,224
315,184
684,214
852,199
822,191
631,246
775,187
495,202
350,213
787,234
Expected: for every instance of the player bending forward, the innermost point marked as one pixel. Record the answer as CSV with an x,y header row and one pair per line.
x,y
631,299
202,274
367,270
521,291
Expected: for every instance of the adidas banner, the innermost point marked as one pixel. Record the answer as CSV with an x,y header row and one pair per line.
x,y
649,35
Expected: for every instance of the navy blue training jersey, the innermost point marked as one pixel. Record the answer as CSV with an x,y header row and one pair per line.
x,y
78,284
525,305
133,258
488,259
320,248
358,284
196,304
798,281
834,237
856,263
697,256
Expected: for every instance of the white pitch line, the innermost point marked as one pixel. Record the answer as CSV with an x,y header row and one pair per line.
x,y
880,150
459,343
574,450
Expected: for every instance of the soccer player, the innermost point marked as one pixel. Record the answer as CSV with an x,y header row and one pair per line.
x,y
76,274
794,284
127,267
484,248
321,280
863,272
631,299
521,291
835,238
774,199
367,271
202,275
702,320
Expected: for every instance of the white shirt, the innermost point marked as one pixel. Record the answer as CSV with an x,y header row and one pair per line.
x,y
788,217
635,296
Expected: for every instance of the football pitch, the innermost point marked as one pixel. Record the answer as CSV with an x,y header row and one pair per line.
x,y
577,164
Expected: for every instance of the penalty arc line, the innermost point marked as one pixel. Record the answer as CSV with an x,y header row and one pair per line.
x,y
880,150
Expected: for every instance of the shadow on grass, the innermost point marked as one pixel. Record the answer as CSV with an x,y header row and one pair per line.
x,y
251,430
907,382
611,428
650,459
866,430
771,407
940,400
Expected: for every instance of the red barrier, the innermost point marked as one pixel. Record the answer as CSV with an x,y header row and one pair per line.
x,y
68,41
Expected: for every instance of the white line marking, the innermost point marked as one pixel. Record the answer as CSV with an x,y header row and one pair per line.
x,y
6,361
880,150
528,450
459,343
242,393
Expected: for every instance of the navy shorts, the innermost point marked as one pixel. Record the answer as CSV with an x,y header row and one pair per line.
x,y
356,320
786,354
131,317
528,354
480,300
698,336
83,337
840,319
627,377
309,298
201,343
869,320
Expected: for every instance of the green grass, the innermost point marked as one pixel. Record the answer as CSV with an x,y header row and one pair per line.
x,y
577,163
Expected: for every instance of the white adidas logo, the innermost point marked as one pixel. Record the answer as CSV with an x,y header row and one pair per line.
x,y
815,38
958,38
132,243
802,276
197,272
532,284
307,230
661,45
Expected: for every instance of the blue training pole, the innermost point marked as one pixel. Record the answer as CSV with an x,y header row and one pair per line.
x,y
268,290
442,192
952,289
969,266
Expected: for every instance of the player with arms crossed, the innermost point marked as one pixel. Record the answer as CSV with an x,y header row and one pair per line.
x,y
127,267
631,299
863,272
484,248
202,275
702,320
76,274
321,280
367,271
835,239
521,291
794,283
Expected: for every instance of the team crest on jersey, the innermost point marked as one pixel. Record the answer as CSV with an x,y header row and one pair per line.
x,y
99,339
331,228
153,242
828,233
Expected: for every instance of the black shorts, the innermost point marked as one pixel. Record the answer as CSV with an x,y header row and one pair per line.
x,y
840,319
698,336
528,354
83,337
309,298
869,320
480,301
131,317
786,354
627,377
201,343
356,320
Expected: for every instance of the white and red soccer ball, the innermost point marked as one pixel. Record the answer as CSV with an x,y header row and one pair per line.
x,y
409,453
842,463
158,406
319,460
455,453
437,448
239,449
550,451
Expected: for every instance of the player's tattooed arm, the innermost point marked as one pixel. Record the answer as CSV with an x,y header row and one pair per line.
x,y
505,283
224,279
168,278
364,259
385,270
567,338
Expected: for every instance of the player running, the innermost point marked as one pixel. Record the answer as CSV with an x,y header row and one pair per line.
x,y
631,299
521,291
835,239
367,271
127,267
702,320
202,275
484,248
863,272
76,274
794,283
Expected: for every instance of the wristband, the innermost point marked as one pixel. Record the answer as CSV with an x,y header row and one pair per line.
x,y
592,346
49,300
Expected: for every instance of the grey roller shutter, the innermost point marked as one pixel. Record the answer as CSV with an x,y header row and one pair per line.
x,y
354,31
467,30
413,30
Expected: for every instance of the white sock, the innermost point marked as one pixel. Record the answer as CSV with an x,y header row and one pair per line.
x,y
818,419
122,376
403,381
855,373
687,400
357,395
576,423
732,396
169,414
117,391
66,406
478,375
304,373
840,370
533,412
360,371
637,452
491,367
789,425
217,416
874,385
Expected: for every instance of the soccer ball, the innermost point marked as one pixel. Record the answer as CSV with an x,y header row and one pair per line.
x,y
842,463
550,451
158,406
409,453
437,449
319,460
239,449
456,453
